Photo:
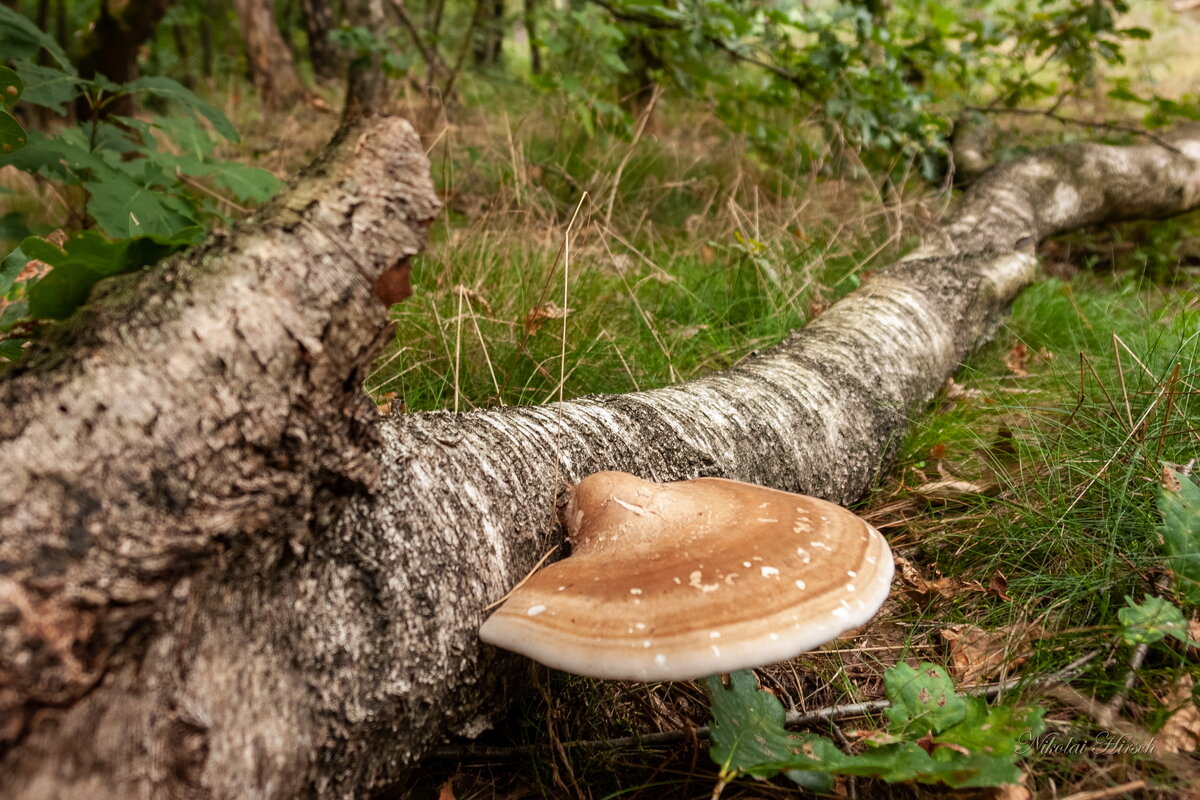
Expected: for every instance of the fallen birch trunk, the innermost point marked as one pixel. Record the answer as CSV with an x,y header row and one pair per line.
x,y
220,578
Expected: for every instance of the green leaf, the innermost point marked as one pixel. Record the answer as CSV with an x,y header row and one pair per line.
x,y
923,700
1180,533
246,183
976,745
85,259
1149,622
191,139
10,268
124,208
12,227
173,90
11,350
20,38
11,86
50,87
60,158
61,291
12,135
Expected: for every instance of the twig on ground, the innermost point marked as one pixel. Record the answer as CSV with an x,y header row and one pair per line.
x,y
1112,710
794,720
1112,791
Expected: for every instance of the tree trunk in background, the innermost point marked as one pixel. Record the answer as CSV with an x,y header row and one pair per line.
x,y
318,22
222,576
535,52
111,47
188,79
271,65
366,85
637,86
489,33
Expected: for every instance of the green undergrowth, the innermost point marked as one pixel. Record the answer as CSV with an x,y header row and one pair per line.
x,y
1052,462
543,294
1067,457
1052,521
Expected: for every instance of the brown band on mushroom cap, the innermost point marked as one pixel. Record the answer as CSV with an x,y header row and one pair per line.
x,y
682,580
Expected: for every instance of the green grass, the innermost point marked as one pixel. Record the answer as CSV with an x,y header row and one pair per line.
x,y
657,292
707,256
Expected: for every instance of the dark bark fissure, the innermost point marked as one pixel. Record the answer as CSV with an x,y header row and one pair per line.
x,y
223,577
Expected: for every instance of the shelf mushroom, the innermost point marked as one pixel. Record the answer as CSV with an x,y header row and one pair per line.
x,y
684,580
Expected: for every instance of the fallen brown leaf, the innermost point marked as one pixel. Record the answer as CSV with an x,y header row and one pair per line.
x,y
954,489
911,575
538,315
1181,733
977,655
1012,791
1169,480
956,391
998,585
1017,359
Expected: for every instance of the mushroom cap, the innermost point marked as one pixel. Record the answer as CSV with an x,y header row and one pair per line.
x,y
683,580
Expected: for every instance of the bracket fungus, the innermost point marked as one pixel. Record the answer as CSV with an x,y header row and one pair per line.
x,y
683,580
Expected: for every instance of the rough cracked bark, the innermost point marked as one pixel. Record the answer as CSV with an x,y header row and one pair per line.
x,y
251,590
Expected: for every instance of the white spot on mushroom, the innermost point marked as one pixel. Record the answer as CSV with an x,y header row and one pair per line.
x,y
852,573
635,591
802,511
746,564
820,545
561,588
871,559
849,587
696,581
677,580
763,505
729,578
770,572
844,604
641,626
767,519
661,660
839,612
801,585
804,556
773,636
535,610
639,510
646,643
716,650
714,635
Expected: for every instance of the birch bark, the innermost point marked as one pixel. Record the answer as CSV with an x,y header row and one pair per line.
x,y
219,577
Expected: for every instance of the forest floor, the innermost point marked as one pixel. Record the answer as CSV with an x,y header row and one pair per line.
x,y
1021,507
